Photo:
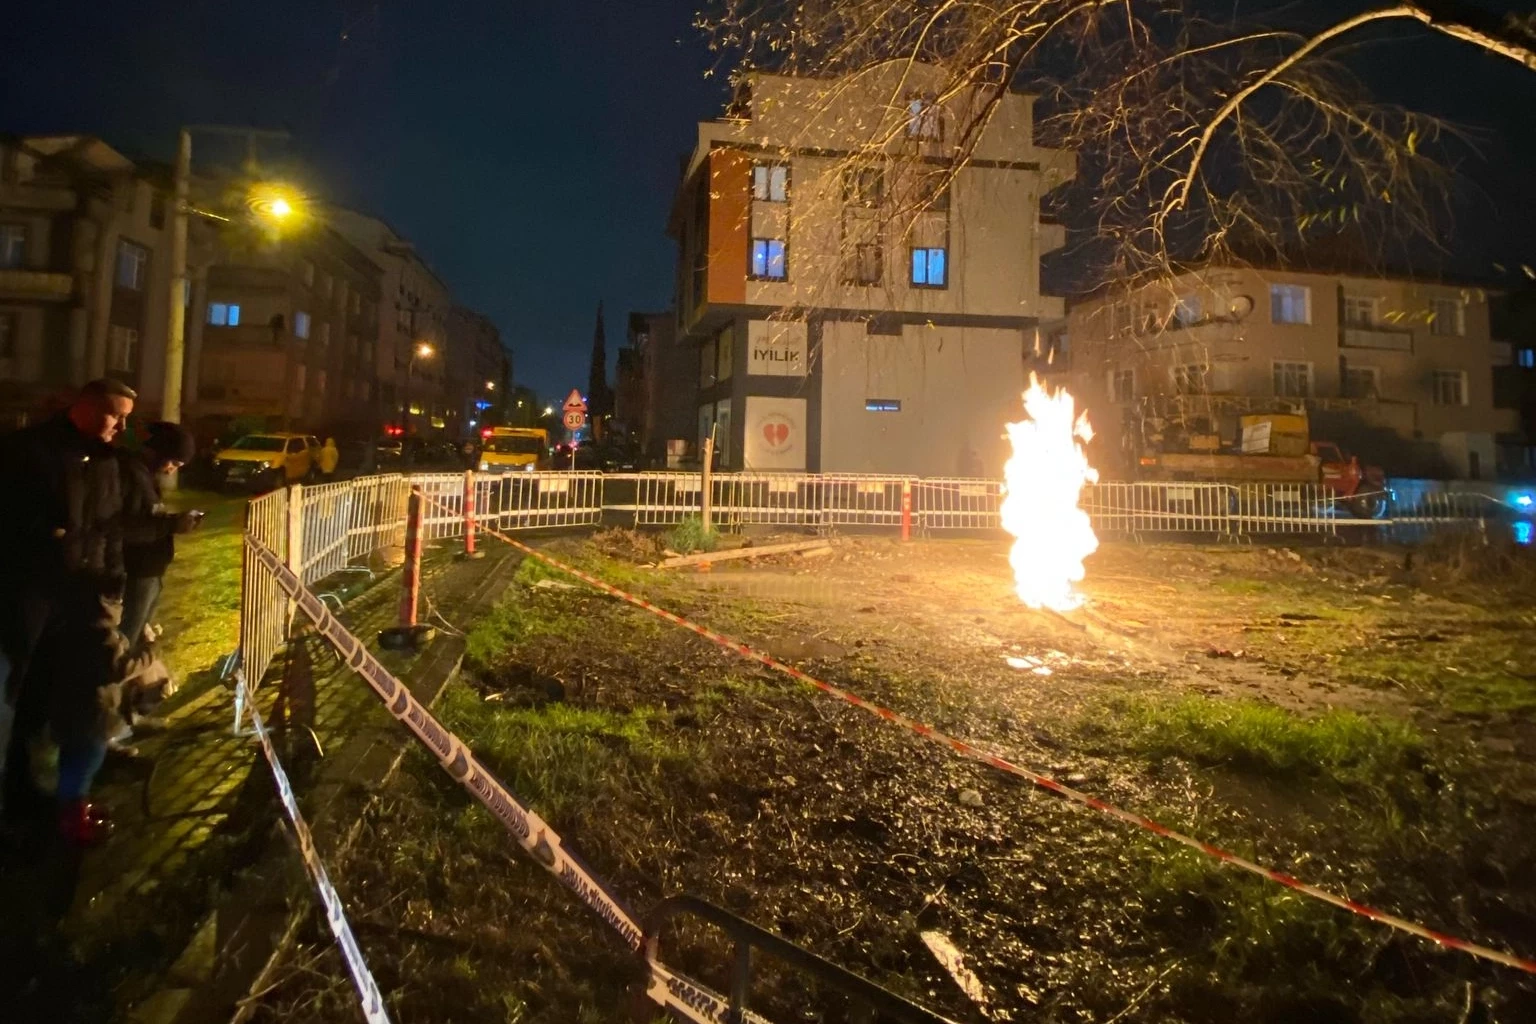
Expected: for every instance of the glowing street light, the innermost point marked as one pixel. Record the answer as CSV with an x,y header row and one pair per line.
x,y
549,410
490,385
423,351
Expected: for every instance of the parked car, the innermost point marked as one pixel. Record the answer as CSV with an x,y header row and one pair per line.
x,y
264,461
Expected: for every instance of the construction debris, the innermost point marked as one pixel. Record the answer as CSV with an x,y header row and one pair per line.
x,y
803,547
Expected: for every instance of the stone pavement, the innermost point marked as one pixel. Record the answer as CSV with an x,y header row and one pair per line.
x,y
177,915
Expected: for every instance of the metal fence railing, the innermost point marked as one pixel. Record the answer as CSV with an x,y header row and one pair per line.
x,y
321,531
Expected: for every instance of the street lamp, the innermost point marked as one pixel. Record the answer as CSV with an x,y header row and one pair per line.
x,y
490,385
421,350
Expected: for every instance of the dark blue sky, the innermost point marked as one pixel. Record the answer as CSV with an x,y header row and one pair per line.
x,y
530,149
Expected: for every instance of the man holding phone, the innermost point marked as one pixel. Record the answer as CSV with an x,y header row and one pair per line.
x,y
149,542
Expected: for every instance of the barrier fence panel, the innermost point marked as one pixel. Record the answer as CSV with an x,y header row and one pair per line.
x,y
377,516
528,501
1270,509
327,514
955,504
1134,509
849,500
263,606
766,499
665,499
444,516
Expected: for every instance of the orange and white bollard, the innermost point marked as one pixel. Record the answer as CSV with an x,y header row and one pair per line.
x,y
906,510
470,551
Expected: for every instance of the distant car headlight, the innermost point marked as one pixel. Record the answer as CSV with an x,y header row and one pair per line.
x,y
529,467
484,466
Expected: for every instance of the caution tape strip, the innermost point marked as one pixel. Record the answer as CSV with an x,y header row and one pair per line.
x,y
371,999
696,1002
969,750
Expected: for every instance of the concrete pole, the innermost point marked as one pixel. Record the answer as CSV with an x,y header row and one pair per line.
x,y
176,321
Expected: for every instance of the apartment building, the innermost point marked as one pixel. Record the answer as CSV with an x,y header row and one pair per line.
x,y
479,372
286,335
668,401
854,303
414,311
84,271
1399,371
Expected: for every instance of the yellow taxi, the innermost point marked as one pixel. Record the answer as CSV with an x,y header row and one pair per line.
x,y
261,461
513,449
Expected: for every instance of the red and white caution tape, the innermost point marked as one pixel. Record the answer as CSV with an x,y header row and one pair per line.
x,y
696,1002
969,750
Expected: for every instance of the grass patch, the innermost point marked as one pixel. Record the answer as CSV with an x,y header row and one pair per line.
x,y
515,619
690,535
200,608
1260,738
567,759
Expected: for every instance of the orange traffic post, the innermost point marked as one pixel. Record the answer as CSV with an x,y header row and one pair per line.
x,y
410,593
470,550
906,510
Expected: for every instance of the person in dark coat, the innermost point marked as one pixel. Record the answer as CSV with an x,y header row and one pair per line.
x,y
149,531
61,515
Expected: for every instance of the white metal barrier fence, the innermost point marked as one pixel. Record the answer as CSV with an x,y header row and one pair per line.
x,y
321,531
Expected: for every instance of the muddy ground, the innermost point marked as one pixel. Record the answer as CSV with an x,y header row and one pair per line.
x,y
1360,718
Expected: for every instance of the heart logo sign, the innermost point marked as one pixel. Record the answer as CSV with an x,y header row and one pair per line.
x,y
776,433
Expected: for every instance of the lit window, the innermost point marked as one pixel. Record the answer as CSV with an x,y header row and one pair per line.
x,y
882,405
768,259
1290,304
924,119
1526,358
223,314
770,183
1122,385
1292,380
1450,387
1188,310
301,324
132,262
928,270
1359,311
1447,318
13,245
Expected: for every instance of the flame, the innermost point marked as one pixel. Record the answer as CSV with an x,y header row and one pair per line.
x,y
1042,484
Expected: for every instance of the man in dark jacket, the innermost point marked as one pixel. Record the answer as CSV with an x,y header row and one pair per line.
x,y
60,512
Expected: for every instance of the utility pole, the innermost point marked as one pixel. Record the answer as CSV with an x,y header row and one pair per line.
x,y
176,306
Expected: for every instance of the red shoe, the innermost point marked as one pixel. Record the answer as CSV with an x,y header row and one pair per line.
x,y
84,824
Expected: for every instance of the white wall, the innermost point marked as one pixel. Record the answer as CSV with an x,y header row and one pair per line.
x,y
957,388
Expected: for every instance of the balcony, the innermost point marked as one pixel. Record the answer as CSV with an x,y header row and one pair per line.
x,y
1379,338
36,285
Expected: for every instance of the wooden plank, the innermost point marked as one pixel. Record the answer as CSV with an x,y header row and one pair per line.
x,y
721,556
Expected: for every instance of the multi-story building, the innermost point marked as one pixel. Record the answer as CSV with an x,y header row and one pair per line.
x,y
479,371
1399,371
84,272
668,402
286,335
855,302
413,333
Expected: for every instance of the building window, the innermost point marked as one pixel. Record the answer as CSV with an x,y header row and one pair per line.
x,y
1450,387
1525,358
307,273
924,119
1360,381
1190,379
1447,318
934,194
1359,311
7,335
157,211
1122,385
928,270
866,264
224,314
1121,314
863,186
1290,304
770,183
122,348
882,405
13,246
1188,310
300,324
1292,380
768,259
132,265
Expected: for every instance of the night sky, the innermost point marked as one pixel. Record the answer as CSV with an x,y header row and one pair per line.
x,y
530,149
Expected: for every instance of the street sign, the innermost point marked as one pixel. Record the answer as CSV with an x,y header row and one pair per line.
x,y
575,419
574,402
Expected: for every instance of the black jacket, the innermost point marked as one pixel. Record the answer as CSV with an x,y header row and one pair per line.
x,y
61,505
149,543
